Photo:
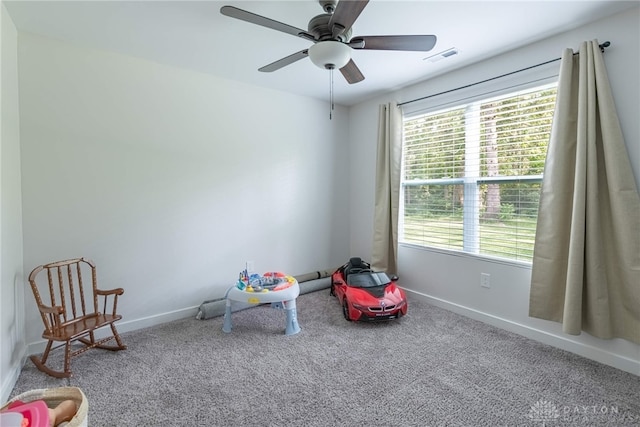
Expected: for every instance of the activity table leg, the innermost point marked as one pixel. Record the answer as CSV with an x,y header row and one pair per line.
x,y
292,318
226,324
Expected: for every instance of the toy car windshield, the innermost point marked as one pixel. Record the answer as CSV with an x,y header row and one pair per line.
x,y
368,279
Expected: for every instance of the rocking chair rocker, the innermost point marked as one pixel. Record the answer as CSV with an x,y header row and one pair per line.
x,y
73,313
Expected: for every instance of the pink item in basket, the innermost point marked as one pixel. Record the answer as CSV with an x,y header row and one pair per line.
x,y
36,412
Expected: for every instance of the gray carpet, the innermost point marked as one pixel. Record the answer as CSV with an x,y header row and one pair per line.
x,y
431,368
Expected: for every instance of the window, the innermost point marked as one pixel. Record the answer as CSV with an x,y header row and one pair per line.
x,y
472,174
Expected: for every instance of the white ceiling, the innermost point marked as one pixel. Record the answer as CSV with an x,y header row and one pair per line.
x,y
194,35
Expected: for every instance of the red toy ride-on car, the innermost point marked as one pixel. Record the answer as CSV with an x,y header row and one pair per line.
x,y
367,295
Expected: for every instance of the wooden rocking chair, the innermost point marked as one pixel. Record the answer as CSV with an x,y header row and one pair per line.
x,y
72,312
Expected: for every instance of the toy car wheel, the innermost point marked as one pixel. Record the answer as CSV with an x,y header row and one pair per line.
x,y
345,310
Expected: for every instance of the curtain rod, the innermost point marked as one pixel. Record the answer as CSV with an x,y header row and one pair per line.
x,y
602,47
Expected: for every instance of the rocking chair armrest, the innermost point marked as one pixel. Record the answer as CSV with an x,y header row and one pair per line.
x,y
45,309
114,302
117,291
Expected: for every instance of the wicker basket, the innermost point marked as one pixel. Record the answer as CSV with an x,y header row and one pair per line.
x,y
53,397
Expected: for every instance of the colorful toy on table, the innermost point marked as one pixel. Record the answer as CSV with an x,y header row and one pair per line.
x,y
269,281
38,414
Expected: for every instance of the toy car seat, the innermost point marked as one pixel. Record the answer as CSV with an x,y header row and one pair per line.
x,y
356,265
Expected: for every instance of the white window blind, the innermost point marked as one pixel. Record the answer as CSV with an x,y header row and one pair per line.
x,y
472,174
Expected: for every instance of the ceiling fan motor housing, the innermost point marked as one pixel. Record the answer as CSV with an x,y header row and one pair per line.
x,y
319,27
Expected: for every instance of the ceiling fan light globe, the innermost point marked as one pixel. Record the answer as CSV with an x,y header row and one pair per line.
x,y
330,54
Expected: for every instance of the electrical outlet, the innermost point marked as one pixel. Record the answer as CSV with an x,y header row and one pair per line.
x,y
485,280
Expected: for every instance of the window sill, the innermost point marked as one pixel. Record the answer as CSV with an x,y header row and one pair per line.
x,y
480,257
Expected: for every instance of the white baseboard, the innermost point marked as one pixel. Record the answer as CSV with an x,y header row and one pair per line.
x,y
129,325
158,319
599,355
9,382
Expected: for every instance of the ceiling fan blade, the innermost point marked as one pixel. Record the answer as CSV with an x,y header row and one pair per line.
x,y
351,72
346,13
420,43
287,60
252,18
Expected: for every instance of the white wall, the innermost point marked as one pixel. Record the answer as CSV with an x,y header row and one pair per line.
x,y
452,281
12,348
170,179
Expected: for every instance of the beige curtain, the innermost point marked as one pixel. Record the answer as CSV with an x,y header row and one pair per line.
x,y
384,255
586,263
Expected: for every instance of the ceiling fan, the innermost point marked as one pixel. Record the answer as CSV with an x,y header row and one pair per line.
x,y
331,34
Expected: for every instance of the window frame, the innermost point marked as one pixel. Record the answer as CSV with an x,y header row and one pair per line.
x,y
471,184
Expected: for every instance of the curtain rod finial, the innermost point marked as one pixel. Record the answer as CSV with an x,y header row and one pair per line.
x,y
604,45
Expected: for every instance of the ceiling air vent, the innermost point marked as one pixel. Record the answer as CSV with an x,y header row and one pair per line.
x,y
442,55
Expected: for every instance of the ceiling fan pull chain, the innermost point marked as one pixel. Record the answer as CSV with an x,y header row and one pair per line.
x,y
330,93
